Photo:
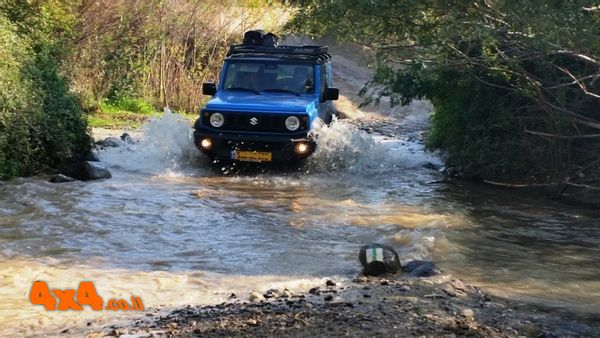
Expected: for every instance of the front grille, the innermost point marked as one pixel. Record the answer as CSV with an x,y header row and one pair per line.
x,y
257,122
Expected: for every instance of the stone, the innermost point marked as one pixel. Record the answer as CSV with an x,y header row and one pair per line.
x,y
272,293
60,178
468,313
378,259
92,157
255,297
87,171
126,138
109,142
420,268
330,283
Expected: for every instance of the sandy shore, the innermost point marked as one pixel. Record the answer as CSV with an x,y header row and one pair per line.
x,y
394,306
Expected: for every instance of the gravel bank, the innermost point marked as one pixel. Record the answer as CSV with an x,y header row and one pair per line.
x,y
394,306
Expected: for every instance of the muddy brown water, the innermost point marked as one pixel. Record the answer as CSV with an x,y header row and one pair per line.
x,y
175,229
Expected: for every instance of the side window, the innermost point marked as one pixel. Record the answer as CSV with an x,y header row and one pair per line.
x,y
323,79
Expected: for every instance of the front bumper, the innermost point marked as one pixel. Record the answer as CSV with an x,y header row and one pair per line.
x,y
224,143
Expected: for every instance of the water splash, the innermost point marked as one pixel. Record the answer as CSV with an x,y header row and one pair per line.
x,y
165,145
341,145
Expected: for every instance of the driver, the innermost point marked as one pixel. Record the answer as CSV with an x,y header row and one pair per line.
x,y
302,82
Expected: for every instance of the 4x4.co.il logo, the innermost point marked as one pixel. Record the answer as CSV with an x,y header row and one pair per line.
x,y
74,300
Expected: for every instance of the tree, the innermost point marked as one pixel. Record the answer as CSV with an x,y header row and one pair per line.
x,y
514,83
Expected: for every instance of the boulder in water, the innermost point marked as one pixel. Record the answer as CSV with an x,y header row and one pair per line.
x,y
87,171
60,178
92,157
126,138
421,269
378,259
109,142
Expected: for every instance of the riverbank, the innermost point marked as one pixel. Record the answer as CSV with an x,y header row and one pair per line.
x,y
391,306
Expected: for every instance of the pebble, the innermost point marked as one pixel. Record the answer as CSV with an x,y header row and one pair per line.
x,y
314,291
255,297
360,279
468,313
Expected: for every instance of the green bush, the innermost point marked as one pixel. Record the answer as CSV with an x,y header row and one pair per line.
x,y
127,104
42,124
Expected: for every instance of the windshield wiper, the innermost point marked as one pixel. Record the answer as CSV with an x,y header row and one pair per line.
x,y
280,90
244,89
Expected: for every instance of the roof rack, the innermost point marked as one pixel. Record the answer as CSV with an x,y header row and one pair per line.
x,y
317,52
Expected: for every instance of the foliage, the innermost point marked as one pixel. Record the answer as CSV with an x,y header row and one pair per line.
x,y
514,83
159,51
41,122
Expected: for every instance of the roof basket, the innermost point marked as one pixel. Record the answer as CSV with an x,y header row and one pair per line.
x,y
319,52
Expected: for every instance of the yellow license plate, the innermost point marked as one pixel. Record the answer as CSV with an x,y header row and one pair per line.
x,y
252,156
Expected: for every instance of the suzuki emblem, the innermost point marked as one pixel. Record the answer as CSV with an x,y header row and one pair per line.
x,y
254,121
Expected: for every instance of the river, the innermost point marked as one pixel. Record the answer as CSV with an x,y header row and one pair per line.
x,y
175,229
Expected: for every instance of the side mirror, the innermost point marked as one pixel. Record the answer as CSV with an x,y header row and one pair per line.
x,y
209,88
331,94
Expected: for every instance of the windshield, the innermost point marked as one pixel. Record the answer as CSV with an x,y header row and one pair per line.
x,y
260,77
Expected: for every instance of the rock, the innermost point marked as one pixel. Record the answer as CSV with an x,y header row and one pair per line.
x,y
421,269
87,171
360,279
272,293
252,322
126,138
432,166
468,313
109,142
378,259
314,291
60,178
328,298
232,296
286,294
92,157
255,297
330,283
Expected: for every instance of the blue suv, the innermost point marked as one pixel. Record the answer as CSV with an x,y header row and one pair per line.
x,y
267,101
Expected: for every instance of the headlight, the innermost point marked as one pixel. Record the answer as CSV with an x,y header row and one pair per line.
x,y
217,120
292,123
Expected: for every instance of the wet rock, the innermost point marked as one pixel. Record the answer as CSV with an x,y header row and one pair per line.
x,y
314,291
421,269
272,293
126,138
255,297
232,296
432,166
360,279
109,142
92,157
286,294
87,171
328,298
330,283
378,259
60,178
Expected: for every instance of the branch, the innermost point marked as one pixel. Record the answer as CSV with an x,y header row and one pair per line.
x,y
566,137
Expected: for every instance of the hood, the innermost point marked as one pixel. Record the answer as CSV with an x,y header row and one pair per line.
x,y
241,101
